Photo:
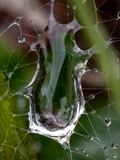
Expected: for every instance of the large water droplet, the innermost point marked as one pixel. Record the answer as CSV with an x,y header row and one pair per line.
x,y
57,100
91,96
107,121
21,39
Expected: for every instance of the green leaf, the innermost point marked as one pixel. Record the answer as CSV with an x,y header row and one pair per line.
x,y
14,139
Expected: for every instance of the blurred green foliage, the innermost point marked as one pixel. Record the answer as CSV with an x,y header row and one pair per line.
x,y
14,129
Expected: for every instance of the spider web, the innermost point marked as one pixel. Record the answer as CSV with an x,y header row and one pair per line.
x,y
27,28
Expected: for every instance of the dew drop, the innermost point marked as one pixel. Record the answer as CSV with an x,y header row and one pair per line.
x,y
68,6
105,149
114,146
91,96
117,59
83,150
21,39
93,112
95,70
74,7
76,149
86,154
18,21
90,137
107,121
118,15
114,156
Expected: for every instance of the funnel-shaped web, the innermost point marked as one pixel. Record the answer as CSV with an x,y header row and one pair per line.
x,y
56,99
